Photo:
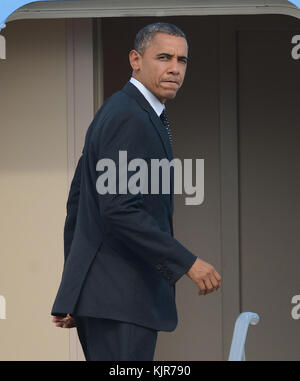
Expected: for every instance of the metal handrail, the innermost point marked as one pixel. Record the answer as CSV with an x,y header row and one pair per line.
x,y
237,350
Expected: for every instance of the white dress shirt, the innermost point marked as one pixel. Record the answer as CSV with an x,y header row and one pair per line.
x,y
151,98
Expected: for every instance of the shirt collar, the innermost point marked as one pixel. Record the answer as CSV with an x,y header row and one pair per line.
x,y
151,98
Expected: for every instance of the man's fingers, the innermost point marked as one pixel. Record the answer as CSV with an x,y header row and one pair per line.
x,y
63,324
69,322
214,282
217,275
209,286
202,288
57,318
59,321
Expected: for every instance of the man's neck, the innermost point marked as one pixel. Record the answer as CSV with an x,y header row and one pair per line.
x,y
162,101
157,106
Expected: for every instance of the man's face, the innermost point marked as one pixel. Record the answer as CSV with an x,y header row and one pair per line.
x,y
162,66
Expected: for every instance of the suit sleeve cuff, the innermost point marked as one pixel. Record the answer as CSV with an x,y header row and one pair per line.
x,y
173,271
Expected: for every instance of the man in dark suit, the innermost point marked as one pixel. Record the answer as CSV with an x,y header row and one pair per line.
x,y
121,258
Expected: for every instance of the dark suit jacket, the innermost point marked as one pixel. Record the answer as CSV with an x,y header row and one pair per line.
x,y
121,259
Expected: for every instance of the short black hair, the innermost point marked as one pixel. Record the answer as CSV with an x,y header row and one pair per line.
x,y
147,33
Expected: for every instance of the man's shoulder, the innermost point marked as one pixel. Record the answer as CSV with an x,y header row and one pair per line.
x,y
120,112
120,103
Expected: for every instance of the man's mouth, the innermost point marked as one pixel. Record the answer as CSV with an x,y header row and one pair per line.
x,y
171,81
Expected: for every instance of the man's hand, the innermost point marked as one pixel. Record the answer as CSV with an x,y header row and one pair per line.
x,y
64,322
205,277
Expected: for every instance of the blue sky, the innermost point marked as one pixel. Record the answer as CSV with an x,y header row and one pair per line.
x,y
296,2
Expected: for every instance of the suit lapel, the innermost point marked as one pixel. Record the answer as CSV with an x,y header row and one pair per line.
x,y
132,91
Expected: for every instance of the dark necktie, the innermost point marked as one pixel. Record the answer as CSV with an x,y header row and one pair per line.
x,y
166,123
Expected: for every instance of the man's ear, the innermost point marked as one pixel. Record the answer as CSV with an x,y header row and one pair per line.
x,y
135,60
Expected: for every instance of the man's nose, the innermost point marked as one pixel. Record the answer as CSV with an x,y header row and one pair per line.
x,y
174,67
